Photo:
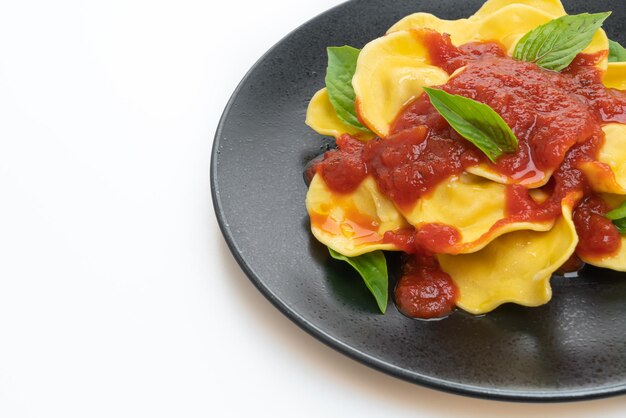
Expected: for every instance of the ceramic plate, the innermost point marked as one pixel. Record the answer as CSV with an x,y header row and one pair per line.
x,y
572,348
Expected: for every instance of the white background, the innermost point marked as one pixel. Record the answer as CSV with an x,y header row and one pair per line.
x,y
118,296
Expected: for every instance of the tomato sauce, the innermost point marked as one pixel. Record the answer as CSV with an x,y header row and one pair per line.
x,y
597,235
343,169
429,238
413,161
424,291
557,118
445,55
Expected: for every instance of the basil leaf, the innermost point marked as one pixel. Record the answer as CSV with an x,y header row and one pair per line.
x,y
373,269
620,224
476,122
617,53
555,45
618,216
341,68
617,213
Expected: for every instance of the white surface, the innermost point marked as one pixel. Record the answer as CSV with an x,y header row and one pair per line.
x,y
118,296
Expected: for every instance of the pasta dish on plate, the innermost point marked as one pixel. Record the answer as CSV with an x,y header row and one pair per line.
x,y
490,151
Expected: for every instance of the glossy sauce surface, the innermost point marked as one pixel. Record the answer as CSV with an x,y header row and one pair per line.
x,y
597,234
424,291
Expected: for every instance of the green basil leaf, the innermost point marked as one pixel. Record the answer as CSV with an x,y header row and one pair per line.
x,y
476,122
341,67
620,224
555,45
373,269
617,53
618,216
617,213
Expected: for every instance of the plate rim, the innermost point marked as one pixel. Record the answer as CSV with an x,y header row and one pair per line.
x,y
361,357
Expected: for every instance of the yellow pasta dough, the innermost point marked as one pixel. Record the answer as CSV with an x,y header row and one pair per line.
x,y
355,223
323,119
516,267
608,173
391,72
476,207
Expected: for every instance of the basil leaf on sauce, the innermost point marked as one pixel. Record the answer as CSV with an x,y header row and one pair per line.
x,y
476,122
555,45
617,53
618,216
373,269
341,67
620,224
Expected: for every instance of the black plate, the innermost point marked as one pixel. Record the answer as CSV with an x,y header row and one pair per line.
x,y
572,348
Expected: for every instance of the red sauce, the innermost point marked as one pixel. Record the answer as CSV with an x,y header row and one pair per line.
x,y
424,291
597,235
565,180
609,105
404,239
537,104
557,119
427,239
445,55
343,169
534,102
413,161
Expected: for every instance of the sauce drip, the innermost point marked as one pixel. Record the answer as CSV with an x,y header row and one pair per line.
x,y
597,234
343,169
424,291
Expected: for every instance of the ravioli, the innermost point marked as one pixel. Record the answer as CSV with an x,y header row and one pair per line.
x,y
355,223
504,20
322,118
516,267
391,72
478,220
552,7
608,173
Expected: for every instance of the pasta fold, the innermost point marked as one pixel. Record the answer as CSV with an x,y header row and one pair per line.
x,y
355,223
516,267
608,173
454,203
390,73
322,118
